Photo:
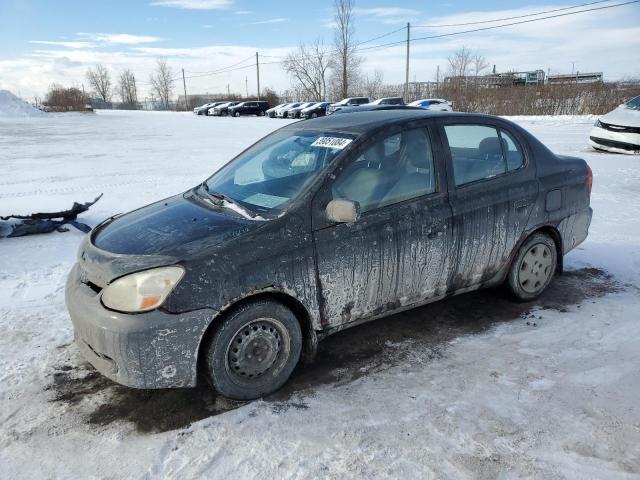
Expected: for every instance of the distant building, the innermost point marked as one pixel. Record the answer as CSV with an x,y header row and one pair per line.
x,y
532,77
496,80
577,77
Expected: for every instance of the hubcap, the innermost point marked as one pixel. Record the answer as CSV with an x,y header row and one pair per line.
x,y
255,349
535,268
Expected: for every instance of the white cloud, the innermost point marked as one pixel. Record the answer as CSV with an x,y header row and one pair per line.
x,y
242,12
388,15
119,38
387,12
271,20
194,4
71,44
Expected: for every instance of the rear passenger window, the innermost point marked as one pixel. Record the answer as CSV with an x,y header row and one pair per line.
x,y
476,152
515,157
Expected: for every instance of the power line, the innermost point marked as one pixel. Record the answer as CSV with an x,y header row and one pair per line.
x,y
380,36
224,68
510,18
392,44
461,32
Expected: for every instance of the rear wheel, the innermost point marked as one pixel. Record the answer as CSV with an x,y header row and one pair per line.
x,y
314,115
254,350
237,114
261,113
533,267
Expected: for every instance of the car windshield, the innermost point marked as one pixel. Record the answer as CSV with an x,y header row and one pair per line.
x,y
634,104
274,171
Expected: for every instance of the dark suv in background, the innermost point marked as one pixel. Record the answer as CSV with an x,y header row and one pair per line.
x,y
253,107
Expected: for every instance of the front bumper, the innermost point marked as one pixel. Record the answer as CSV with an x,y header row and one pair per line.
x,y
146,350
618,142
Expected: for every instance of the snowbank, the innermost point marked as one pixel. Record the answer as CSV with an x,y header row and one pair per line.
x,y
13,107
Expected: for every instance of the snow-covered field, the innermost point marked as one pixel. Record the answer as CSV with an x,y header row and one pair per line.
x,y
472,387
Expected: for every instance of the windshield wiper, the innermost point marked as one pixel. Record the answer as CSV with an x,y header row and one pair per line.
x,y
219,199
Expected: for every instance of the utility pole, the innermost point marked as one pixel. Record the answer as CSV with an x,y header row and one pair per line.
x,y
406,81
438,80
258,74
228,91
246,86
184,84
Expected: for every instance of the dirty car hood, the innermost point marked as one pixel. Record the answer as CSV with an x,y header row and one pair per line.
x,y
169,228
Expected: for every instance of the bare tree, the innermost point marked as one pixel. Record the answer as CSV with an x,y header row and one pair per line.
x,y
460,63
478,64
100,81
372,85
308,67
347,63
128,88
162,82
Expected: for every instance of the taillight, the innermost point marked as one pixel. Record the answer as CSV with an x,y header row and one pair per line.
x,y
589,178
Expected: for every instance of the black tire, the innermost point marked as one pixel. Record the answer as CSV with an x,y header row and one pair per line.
x,y
237,114
314,115
261,114
232,354
533,267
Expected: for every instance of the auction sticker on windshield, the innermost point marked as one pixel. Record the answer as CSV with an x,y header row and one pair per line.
x,y
331,142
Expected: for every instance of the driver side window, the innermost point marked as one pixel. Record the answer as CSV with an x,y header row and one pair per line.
x,y
396,168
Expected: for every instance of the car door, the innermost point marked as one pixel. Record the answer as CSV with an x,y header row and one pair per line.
x,y
493,187
396,253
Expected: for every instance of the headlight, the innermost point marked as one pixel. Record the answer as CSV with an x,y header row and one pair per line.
x,y
597,124
142,291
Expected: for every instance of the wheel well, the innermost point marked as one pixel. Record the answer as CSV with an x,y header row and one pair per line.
x,y
557,239
309,337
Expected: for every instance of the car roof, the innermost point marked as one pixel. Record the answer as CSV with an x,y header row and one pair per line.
x,y
361,122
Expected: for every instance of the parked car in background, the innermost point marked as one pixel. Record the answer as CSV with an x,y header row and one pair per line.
x,y
237,278
317,110
271,113
284,111
222,110
347,102
204,109
251,107
434,104
619,130
388,101
216,104
295,112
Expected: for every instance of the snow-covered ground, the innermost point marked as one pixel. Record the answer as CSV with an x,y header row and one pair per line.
x,y
472,387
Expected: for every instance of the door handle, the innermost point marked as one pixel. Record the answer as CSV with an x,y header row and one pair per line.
x,y
520,204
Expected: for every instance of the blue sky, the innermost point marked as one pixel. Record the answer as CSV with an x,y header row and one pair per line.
x,y
46,41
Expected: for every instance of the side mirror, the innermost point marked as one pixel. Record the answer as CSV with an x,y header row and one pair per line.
x,y
343,211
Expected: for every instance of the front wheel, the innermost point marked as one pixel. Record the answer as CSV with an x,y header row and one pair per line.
x,y
533,268
314,115
237,114
254,350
